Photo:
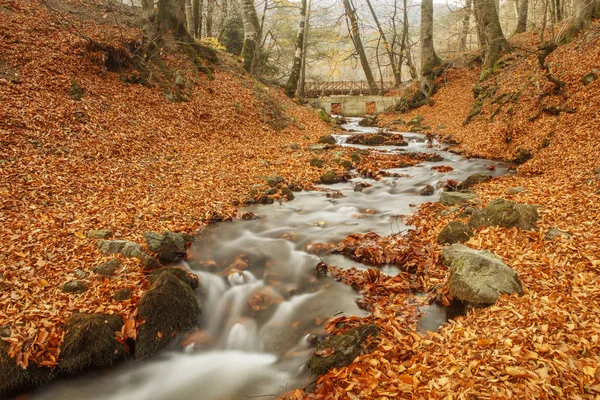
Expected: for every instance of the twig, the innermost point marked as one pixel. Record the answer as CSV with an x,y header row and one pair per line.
x,y
86,37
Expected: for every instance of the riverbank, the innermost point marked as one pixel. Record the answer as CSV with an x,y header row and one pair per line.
x,y
545,343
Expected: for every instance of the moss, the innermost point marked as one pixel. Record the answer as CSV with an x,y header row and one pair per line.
x,y
346,347
169,307
316,162
454,232
506,214
474,180
179,273
90,342
14,379
324,117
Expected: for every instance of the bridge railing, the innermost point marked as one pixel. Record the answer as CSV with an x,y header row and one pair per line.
x,y
348,88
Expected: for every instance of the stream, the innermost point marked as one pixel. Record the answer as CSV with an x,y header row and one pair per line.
x,y
262,303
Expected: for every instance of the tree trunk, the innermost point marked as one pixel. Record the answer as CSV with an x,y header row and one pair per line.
x,y
429,59
209,17
147,19
584,11
464,34
251,47
171,18
197,7
292,83
478,11
522,20
492,34
304,46
395,68
189,17
223,22
355,34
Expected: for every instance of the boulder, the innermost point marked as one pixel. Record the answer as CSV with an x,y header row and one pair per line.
x,y
366,122
329,178
317,162
506,214
14,379
339,351
375,140
99,234
455,198
554,233
90,342
168,307
473,180
74,287
454,232
427,191
108,268
346,164
274,180
169,246
515,190
478,277
134,250
327,139
287,192
113,246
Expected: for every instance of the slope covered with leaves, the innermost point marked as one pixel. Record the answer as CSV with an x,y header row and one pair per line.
x,y
544,344
122,158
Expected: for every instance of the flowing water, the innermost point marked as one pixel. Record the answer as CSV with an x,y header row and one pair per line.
x,y
262,303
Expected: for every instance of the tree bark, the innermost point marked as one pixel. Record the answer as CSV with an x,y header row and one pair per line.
x,y
464,33
252,35
522,19
395,68
355,34
197,7
304,46
210,6
292,83
429,59
584,10
171,18
189,17
492,34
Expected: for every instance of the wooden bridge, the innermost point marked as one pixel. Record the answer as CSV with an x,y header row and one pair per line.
x,y
343,88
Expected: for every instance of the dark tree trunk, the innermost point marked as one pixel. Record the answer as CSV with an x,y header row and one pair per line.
x,y
429,59
252,35
355,33
197,7
292,83
395,68
491,32
522,19
464,33
209,17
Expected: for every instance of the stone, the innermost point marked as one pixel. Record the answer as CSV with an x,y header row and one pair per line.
x,y
339,351
448,211
90,342
123,294
74,287
134,250
360,186
169,246
14,379
317,162
274,180
375,140
456,198
554,233
522,155
590,77
327,139
99,234
478,277
455,232
80,274
108,268
168,307
324,117
473,180
287,192
597,171
515,190
113,246
346,164
506,214
416,120
366,122
319,147
329,178
427,191
75,91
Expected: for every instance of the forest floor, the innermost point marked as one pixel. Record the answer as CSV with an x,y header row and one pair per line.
x,y
544,344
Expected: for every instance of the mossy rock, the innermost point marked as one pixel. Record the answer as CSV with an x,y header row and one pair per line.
x,y
329,178
375,140
346,164
324,117
90,342
178,273
454,232
355,157
366,122
454,198
287,192
108,268
473,180
327,139
169,246
317,162
14,379
169,307
339,351
506,214
75,91
121,295
522,155
274,180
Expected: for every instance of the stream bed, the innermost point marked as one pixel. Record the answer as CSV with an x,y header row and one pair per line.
x,y
262,303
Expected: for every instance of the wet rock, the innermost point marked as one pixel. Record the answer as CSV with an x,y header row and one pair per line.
x,y
329,178
108,268
427,191
366,122
554,233
360,186
121,295
74,287
90,342
168,307
339,351
324,117
274,180
435,158
346,164
327,139
14,379
478,277
99,234
375,140
504,213
515,190
287,192
590,77
189,279
456,198
169,246
317,162
134,250
474,180
455,232
522,155
265,199
76,92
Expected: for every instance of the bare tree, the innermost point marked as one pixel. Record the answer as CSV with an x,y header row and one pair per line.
x,y
490,33
252,35
522,17
464,33
304,57
292,83
210,6
358,46
197,7
429,59
388,48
